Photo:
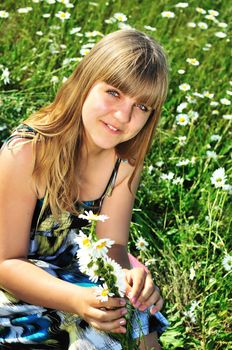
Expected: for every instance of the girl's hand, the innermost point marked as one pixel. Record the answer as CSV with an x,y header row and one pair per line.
x,y
141,290
106,316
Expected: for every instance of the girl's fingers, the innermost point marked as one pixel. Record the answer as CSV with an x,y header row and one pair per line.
x,y
148,290
117,326
137,276
157,307
111,303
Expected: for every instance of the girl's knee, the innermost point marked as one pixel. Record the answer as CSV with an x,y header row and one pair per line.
x,y
150,342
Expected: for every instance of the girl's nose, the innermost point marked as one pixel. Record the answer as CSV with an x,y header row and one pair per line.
x,y
124,112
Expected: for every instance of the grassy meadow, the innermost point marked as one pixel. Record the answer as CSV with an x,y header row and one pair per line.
x,y
182,217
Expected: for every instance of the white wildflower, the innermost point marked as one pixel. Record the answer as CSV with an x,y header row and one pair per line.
x,y
24,9
181,107
182,119
213,13
190,99
103,293
4,14
182,4
215,137
183,162
191,25
150,169
159,163
168,14
184,87
168,176
178,180
202,25
218,178
152,29
63,15
208,94
83,241
46,15
5,76
194,115
90,216
214,103
54,79
193,61
119,275
211,154
229,92
101,247
201,10
84,51
75,30
227,262
182,140
192,273
50,2
220,35
181,71
39,33
228,188
227,116
222,24
225,101
190,315
120,17
141,244
197,94
215,111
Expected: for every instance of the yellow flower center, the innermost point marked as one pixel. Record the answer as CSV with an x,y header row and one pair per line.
x,y
105,292
182,119
101,245
86,242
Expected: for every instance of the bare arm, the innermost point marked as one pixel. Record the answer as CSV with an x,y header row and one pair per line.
x,y
20,277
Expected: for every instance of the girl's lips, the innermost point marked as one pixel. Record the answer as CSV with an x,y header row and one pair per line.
x,y
112,128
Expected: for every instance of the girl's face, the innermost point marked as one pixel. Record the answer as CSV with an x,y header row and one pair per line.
x,y
111,117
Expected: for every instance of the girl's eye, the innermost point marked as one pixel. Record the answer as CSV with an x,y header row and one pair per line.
x,y
113,93
142,107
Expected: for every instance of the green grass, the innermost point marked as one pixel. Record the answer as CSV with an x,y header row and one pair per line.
x,y
187,225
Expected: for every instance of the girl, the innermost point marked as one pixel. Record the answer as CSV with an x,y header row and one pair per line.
x,y
84,151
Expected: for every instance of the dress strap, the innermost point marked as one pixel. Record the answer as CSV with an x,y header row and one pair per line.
x,y
111,183
22,131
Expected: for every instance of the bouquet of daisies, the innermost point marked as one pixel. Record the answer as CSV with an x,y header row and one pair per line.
x,y
94,262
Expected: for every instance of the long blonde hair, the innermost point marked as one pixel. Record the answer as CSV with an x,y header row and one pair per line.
x,y
130,61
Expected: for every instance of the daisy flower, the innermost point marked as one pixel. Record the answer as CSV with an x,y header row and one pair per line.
x,y
201,10
202,25
182,4
225,101
213,13
83,241
218,178
119,274
215,137
191,24
84,51
168,176
182,140
153,29
193,61
181,107
184,87
101,247
63,15
103,293
5,76
192,274
208,94
211,154
220,35
4,14
182,119
141,244
178,181
75,30
183,162
181,71
120,17
227,262
24,10
227,116
168,14
90,216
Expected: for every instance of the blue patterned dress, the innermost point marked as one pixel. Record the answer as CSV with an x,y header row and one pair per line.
x,y
53,248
